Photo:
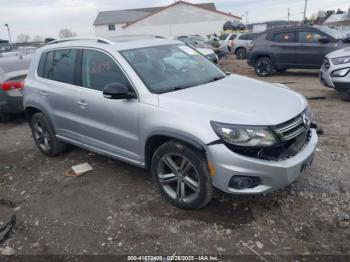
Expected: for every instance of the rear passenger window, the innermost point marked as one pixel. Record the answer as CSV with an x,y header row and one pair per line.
x,y
63,66
58,65
99,70
284,37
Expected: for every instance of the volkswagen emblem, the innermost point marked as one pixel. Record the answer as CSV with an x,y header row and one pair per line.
x,y
306,121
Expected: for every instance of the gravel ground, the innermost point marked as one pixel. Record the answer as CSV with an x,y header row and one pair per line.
x,y
116,209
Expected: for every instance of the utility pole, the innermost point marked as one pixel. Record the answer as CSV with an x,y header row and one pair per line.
x,y
288,14
8,30
305,11
246,18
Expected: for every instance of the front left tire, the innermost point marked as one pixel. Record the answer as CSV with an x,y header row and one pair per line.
x,y
181,173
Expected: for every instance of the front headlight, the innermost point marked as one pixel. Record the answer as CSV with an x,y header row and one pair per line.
x,y
341,60
340,73
309,113
244,135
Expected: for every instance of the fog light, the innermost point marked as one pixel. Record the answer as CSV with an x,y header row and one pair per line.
x,y
243,182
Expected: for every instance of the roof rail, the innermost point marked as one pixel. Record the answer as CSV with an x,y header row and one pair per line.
x,y
98,39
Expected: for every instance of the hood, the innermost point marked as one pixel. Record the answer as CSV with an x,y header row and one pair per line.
x,y
339,53
236,100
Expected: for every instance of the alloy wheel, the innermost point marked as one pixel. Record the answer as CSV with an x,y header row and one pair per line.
x,y
178,178
42,136
263,67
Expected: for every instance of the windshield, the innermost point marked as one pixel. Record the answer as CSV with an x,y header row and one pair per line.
x,y
332,32
223,37
171,67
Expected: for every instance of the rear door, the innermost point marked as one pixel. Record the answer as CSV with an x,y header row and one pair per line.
x,y
282,47
107,125
57,90
310,52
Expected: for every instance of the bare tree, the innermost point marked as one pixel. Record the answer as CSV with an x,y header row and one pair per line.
x,y
37,38
22,38
65,32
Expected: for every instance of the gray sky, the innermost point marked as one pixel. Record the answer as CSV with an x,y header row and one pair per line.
x,y
47,17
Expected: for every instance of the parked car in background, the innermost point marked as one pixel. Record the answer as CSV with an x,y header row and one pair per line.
x,y
335,71
209,53
240,44
220,49
156,104
227,39
301,47
233,26
13,70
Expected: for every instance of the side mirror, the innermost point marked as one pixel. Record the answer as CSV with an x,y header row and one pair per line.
x,y
324,39
117,91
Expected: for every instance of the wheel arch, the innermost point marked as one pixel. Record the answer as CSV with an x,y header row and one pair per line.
x,y
157,139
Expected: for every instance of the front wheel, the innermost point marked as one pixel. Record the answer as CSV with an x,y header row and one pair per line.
x,y
264,66
181,173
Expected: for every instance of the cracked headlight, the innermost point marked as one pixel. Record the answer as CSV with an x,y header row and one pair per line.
x,y
341,60
244,135
309,113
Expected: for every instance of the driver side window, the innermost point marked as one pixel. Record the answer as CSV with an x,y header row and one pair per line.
x,y
99,70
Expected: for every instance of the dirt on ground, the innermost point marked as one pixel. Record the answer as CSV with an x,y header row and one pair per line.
x,y
117,209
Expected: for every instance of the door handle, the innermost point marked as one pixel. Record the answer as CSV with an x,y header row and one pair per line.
x,y
43,93
82,103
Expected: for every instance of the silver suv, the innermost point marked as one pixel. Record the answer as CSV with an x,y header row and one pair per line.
x,y
159,104
335,71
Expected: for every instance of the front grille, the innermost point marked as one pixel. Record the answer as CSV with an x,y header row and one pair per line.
x,y
326,65
290,129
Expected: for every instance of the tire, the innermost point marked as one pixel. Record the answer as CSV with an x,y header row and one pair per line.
x,y
264,66
181,173
241,53
345,96
44,136
4,117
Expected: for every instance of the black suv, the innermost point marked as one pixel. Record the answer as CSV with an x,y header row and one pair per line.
x,y
293,47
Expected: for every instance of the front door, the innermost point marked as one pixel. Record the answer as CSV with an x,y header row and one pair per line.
x,y
106,125
310,52
283,48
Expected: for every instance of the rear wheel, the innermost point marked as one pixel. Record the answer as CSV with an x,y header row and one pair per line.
x,y
44,136
182,176
264,66
241,53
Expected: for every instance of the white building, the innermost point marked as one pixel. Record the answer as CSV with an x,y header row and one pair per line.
x,y
179,18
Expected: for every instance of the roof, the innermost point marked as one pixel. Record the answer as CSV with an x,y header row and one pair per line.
x,y
131,15
181,2
338,18
112,44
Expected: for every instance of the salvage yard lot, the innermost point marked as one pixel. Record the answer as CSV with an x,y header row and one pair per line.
x,y
116,208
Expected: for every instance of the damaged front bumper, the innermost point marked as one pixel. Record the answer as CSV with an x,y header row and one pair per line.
x,y
265,175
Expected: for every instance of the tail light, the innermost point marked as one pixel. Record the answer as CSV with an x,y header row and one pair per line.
x,y
11,85
251,46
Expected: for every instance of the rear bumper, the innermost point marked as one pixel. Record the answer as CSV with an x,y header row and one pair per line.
x,y
11,104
